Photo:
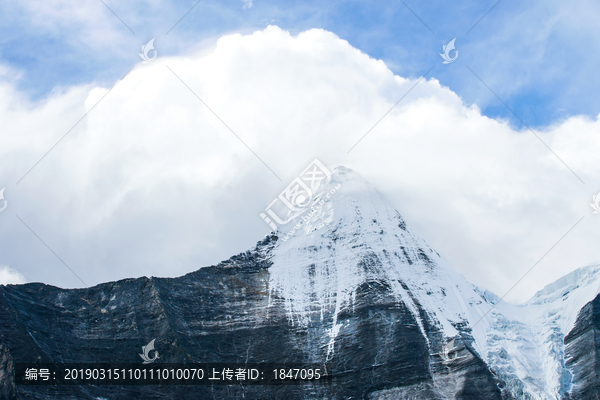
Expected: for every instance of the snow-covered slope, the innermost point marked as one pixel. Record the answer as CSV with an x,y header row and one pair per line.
x,y
553,311
566,296
526,342
356,236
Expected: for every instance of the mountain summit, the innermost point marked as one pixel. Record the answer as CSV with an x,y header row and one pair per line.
x,y
357,239
348,285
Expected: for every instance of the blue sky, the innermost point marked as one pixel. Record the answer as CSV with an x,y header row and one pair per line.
x,y
539,57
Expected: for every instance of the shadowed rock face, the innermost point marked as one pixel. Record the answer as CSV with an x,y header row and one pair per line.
x,y
225,314
7,379
582,350
350,288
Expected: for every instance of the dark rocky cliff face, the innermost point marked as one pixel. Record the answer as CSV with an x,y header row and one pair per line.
x,y
582,350
225,314
351,287
7,378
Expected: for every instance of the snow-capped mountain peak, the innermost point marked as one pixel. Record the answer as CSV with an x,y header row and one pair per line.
x,y
347,286
356,237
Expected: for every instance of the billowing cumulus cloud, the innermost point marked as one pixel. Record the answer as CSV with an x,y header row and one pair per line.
x,y
152,182
9,276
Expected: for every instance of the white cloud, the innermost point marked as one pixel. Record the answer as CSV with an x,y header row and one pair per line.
x,y
9,276
247,3
152,183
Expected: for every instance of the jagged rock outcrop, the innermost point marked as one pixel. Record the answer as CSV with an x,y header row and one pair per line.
x,y
582,350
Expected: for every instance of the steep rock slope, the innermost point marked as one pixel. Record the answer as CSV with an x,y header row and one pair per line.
x,y
582,350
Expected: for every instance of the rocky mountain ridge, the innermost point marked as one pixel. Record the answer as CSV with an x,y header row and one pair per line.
x,y
352,286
